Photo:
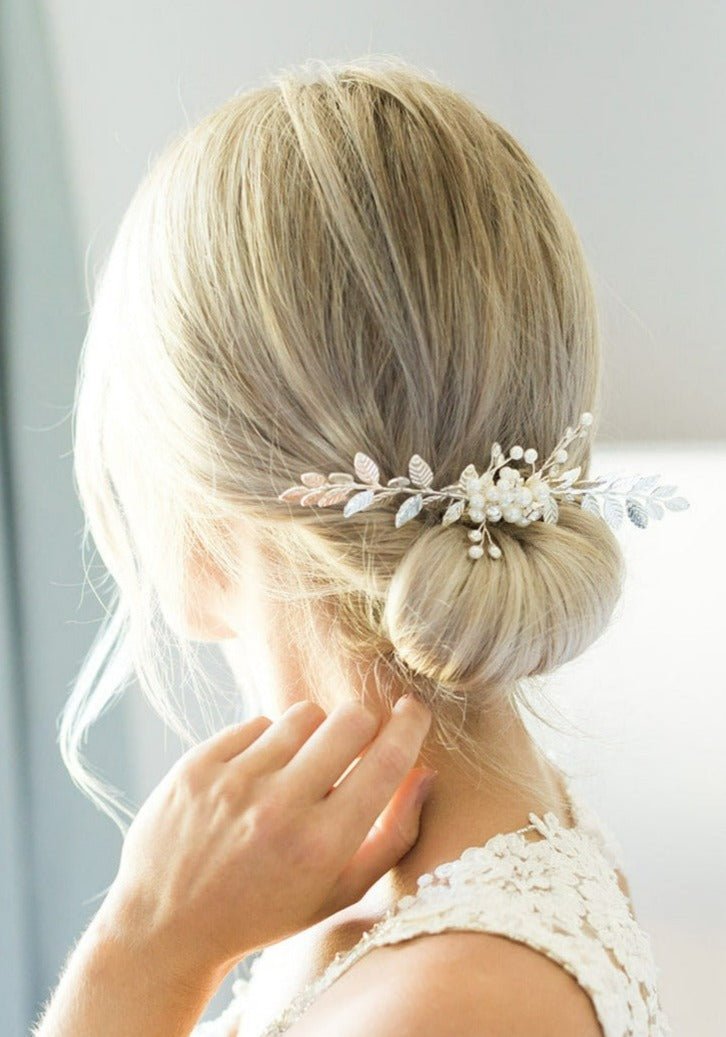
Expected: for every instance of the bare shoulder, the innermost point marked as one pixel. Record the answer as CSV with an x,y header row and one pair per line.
x,y
452,984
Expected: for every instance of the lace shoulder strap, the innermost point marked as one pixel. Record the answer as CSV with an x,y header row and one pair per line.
x,y
547,886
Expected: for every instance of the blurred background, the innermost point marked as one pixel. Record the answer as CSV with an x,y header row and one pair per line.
x,y
622,106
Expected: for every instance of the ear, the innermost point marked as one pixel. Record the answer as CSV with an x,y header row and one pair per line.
x,y
206,601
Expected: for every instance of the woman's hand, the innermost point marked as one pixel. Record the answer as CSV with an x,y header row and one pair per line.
x,y
246,841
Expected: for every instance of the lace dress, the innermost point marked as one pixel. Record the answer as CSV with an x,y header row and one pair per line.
x,y
546,885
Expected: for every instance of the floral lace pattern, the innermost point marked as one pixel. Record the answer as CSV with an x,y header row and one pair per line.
x,y
551,887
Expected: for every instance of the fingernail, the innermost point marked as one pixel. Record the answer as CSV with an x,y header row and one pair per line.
x,y
424,787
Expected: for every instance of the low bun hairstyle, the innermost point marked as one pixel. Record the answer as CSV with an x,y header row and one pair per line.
x,y
355,257
472,626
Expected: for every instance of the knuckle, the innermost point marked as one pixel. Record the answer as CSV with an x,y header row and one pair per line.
x,y
267,815
392,759
189,776
306,708
262,821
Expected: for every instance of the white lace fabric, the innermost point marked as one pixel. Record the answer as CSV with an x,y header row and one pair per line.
x,y
551,887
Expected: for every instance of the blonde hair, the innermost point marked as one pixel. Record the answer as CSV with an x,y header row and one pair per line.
x,y
355,257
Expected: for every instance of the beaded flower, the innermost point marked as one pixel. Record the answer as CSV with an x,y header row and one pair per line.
x,y
500,493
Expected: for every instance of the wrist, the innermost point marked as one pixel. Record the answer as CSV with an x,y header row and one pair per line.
x,y
125,928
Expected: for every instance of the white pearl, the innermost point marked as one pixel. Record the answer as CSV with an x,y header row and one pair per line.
x,y
507,474
494,551
476,551
525,495
476,515
494,514
586,418
475,534
516,452
512,514
561,456
476,500
492,493
530,455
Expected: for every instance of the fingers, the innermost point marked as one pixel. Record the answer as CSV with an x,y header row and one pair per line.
x,y
232,739
354,804
390,838
282,739
320,762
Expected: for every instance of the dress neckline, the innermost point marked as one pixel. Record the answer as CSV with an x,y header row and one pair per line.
x,y
545,824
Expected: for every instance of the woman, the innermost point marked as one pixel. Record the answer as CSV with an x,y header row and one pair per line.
x,y
353,269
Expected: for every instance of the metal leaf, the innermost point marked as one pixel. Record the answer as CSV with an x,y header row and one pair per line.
x,y
645,483
550,511
399,480
334,496
313,496
636,512
366,469
664,491
655,510
677,504
312,479
294,493
453,512
568,477
358,502
340,477
613,511
591,504
409,509
420,472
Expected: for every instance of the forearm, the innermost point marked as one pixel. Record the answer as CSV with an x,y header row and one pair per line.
x,y
119,986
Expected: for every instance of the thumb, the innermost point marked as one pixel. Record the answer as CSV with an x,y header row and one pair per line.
x,y
395,831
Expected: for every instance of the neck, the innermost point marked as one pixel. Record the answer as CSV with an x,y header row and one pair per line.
x,y
465,809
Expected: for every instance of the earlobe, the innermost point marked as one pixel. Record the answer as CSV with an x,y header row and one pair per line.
x,y
203,613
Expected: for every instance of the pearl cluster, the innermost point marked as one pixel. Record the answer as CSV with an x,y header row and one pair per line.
x,y
509,497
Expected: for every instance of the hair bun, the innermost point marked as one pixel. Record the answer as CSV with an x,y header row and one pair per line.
x,y
549,596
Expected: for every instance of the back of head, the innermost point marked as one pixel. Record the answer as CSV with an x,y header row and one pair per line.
x,y
354,259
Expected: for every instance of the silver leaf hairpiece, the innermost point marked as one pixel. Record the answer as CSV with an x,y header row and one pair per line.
x,y
501,493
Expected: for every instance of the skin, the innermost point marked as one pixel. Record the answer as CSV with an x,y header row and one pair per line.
x,y
245,841
253,839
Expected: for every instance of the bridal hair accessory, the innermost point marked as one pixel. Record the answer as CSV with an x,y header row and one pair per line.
x,y
500,494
